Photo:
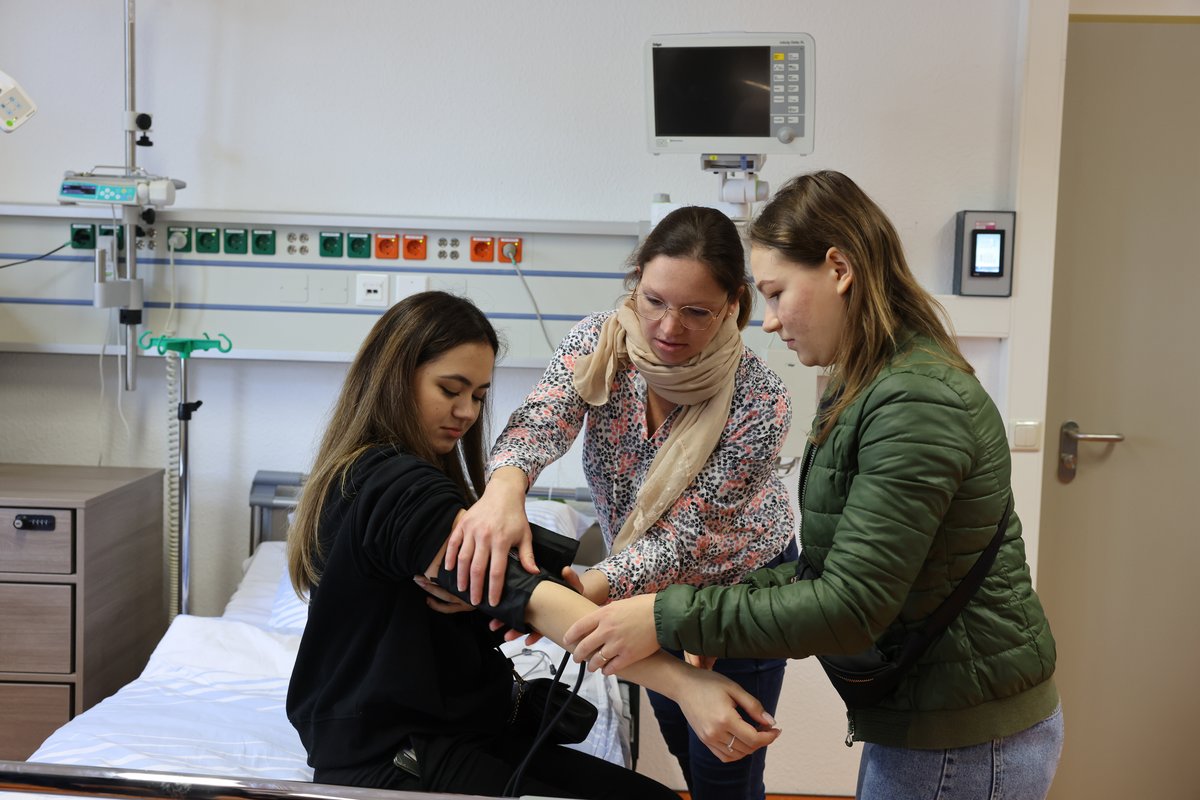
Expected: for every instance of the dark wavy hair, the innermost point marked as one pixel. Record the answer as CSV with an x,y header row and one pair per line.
x,y
377,406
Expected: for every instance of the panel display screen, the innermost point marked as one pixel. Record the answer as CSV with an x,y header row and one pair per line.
x,y
987,253
712,91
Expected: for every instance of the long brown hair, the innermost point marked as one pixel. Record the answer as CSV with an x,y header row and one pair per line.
x,y
814,212
705,235
377,407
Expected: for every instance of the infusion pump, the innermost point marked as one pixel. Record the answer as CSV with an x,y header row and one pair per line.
x,y
131,190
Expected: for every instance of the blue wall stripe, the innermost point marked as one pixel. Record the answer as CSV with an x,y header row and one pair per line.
x,y
360,266
61,301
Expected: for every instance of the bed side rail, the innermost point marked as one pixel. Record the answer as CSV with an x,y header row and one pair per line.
x,y
32,778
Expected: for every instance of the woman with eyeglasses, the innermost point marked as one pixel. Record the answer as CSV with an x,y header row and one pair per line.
x,y
682,428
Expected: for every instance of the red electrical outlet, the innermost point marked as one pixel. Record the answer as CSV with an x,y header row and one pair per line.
x,y
414,246
387,245
503,245
483,248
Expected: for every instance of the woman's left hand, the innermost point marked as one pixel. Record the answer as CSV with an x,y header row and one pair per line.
x,y
615,636
441,600
711,704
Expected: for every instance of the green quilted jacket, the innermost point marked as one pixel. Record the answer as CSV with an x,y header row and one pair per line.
x,y
897,503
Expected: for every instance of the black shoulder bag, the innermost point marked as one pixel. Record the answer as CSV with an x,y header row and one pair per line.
x,y
864,679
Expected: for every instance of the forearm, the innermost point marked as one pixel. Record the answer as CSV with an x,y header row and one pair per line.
x,y
595,586
554,608
509,482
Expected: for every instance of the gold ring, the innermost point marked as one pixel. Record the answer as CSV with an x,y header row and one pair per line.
x,y
732,739
603,657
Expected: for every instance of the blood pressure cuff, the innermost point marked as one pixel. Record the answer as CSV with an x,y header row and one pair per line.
x,y
552,551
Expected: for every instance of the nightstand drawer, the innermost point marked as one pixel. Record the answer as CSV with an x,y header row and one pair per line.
x,y
36,634
26,547
29,712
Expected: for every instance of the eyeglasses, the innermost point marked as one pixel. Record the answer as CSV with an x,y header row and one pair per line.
x,y
694,318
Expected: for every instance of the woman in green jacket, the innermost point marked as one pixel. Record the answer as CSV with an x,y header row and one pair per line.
x,y
906,478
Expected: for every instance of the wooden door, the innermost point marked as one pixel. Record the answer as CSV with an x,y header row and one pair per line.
x,y
1120,543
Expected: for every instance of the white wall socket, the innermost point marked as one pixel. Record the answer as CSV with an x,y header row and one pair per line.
x,y
409,284
371,289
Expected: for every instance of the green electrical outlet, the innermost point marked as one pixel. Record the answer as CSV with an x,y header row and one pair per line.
x,y
83,236
358,245
262,242
236,241
208,240
331,245
187,234
107,230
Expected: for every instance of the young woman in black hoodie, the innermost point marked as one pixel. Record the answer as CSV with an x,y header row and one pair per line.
x,y
386,692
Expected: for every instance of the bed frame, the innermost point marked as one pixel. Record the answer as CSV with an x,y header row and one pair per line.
x,y
110,782
272,495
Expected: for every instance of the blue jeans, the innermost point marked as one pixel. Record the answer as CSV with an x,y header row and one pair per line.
x,y
708,778
1018,766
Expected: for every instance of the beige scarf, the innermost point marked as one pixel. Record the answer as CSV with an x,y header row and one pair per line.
x,y
703,385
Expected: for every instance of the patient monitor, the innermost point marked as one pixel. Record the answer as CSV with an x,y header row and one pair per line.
x,y
733,98
730,93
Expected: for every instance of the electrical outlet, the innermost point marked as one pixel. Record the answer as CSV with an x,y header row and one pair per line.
x,y
371,289
387,245
83,236
262,242
358,245
483,248
208,240
186,233
414,246
331,244
236,242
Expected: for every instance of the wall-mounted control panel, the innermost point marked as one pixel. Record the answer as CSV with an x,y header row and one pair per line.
x,y
983,253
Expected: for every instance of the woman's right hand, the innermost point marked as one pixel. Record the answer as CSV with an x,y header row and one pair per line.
x,y
485,533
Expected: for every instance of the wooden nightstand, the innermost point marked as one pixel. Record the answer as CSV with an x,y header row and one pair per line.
x,y
81,591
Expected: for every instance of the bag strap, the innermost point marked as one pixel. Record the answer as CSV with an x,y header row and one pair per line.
x,y
917,641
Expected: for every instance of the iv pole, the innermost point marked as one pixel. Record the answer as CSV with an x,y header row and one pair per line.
x,y
131,318
181,349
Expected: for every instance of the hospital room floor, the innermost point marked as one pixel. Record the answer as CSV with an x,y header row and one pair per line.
x,y
686,796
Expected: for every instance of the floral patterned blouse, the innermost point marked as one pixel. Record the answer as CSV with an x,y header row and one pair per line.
x,y
735,515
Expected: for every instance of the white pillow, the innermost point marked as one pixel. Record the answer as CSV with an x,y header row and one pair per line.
x,y
558,517
289,613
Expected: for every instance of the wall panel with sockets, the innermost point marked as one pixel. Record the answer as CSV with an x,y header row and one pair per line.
x,y
304,286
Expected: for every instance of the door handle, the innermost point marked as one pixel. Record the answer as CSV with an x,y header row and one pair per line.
x,y
1069,438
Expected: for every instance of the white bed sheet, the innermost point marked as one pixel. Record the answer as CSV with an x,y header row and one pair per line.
x,y
211,699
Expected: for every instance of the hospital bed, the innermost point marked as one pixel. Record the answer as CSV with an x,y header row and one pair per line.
x,y
209,705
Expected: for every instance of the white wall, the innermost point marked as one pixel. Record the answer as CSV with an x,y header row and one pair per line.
x,y
524,109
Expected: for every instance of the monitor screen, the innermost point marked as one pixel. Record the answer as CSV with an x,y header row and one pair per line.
x,y
712,91
730,94
987,253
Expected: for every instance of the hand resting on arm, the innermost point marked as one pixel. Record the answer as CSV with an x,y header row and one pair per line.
x,y
709,700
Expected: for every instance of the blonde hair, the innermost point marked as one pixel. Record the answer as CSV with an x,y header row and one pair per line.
x,y
814,212
377,406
